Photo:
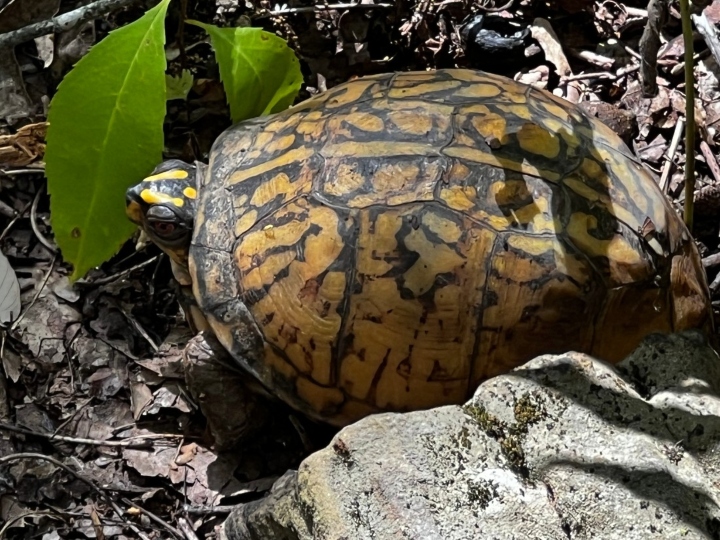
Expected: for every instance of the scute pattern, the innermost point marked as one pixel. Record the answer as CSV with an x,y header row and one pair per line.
x,y
399,238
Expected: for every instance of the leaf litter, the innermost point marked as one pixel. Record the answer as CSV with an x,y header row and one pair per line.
x,y
93,374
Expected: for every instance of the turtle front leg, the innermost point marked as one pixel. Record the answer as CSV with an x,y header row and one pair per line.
x,y
232,407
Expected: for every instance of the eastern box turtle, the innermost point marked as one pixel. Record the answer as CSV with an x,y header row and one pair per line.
x,y
392,242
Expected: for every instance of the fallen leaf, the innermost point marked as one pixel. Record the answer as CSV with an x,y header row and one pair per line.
x,y
23,147
187,453
140,396
543,32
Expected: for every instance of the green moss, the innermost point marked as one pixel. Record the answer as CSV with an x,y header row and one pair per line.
x,y
513,451
489,423
527,412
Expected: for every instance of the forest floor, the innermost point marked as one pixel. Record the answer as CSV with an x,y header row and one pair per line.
x,y
99,437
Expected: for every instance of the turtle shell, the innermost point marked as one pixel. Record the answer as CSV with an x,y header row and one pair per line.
x,y
390,243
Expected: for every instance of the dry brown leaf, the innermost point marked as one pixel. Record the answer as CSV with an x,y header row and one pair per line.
x,y
187,453
653,151
140,397
543,32
168,396
150,463
24,147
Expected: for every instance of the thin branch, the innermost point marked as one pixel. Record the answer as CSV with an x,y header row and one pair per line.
x,y
209,510
689,113
650,45
140,329
19,215
670,154
711,160
323,7
602,74
37,294
155,518
187,529
100,493
709,33
10,522
33,222
74,440
62,22
711,261
109,279
636,12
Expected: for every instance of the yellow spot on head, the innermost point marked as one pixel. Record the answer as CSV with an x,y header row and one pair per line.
x,y
190,193
155,197
175,174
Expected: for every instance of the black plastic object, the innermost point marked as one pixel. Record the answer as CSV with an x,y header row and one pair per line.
x,y
489,39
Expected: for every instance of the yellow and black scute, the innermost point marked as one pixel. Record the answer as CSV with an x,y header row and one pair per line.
x,y
392,242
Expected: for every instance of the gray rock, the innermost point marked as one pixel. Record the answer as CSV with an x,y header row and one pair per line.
x,y
564,447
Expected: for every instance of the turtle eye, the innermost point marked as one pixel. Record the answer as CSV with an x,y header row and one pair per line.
x,y
164,228
165,223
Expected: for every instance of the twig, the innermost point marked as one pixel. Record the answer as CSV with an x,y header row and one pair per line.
x,y
20,214
62,22
715,284
585,76
631,51
13,172
711,160
79,409
187,529
10,522
680,66
208,510
711,261
709,33
599,60
37,294
140,329
506,5
180,35
689,112
602,74
100,493
76,440
650,45
323,7
155,518
33,222
71,369
7,210
670,154
636,12
108,279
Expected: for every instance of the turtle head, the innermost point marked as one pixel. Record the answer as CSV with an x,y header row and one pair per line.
x,y
164,204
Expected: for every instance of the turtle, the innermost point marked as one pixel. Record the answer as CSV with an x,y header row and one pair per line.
x,y
392,242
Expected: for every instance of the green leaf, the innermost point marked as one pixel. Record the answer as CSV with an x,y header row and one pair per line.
x,y
105,133
178,87
260,73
